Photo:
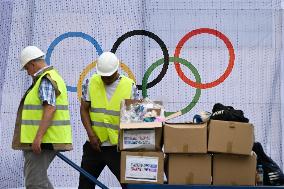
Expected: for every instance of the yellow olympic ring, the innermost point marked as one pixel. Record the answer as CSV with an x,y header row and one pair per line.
x,y
85,71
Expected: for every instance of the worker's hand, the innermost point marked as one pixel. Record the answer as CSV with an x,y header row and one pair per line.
x,y
36,146
95,143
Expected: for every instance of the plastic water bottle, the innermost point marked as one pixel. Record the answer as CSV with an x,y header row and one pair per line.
x,y
259,181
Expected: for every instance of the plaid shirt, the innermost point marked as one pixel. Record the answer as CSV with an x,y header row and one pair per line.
x,y
46,90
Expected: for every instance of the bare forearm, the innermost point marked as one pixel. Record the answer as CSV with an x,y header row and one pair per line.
x,y
85,118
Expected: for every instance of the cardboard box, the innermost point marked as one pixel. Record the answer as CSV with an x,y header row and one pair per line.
x,y
140,135
125,104
142,167
185,138
229,169
230,137
141,139
189,169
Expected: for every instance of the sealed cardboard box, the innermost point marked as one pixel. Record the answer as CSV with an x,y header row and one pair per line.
x,y
189,169
230,137
229,169
142,167
135,133
185,138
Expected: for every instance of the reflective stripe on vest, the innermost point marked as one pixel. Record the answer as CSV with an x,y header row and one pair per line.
x,y
106,125
54,123
59,130
105,113
39,107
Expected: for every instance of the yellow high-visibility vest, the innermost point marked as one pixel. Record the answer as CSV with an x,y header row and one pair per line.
x,y
60,129
104,114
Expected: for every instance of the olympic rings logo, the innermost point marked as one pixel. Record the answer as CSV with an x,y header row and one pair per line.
x,y
165,61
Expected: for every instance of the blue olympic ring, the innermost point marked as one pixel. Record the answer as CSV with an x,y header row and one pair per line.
x,y
60,38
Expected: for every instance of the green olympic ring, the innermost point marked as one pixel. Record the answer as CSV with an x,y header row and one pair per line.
x,y
172,60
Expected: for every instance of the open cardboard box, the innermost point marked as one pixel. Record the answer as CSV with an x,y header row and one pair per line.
x,y
140,135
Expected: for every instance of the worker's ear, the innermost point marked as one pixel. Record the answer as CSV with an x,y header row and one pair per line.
x,y
32,63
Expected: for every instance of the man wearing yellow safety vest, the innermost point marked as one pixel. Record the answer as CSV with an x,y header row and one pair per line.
x,y
43,120
100,111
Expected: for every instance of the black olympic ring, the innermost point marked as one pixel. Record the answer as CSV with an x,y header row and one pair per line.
x,y
161,44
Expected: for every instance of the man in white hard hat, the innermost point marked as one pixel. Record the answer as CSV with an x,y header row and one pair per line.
x,y
100,111
43,121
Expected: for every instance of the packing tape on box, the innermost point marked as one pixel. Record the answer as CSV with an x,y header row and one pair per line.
x,y
229,147
190,178
185,148
232,125
140,153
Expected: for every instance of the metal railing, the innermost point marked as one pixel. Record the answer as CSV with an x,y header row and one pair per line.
x,y
85,173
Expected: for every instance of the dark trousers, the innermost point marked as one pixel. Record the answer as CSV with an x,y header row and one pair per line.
x,y
94,163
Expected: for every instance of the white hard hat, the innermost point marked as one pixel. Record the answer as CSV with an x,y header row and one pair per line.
x,y
107,64
30,53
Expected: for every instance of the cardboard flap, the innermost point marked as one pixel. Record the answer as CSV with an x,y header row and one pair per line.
x,y
186,125
174,115
141,125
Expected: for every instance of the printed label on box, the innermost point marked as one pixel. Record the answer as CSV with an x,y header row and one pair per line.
x,y
140,168
139,139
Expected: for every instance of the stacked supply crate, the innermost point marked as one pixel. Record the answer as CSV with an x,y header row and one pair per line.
x,y
140,142
231,143
187,162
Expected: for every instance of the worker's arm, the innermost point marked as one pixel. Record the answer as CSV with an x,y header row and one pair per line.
x,y
47,95
86,120
47,116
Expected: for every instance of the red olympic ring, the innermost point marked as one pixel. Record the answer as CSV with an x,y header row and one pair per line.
x,y
228,69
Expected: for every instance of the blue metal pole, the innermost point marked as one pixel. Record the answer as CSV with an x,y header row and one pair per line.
x,y
85,173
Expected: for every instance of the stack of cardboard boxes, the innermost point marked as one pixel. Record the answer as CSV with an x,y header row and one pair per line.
x,y
140,143
219,153
228,160
187,160
231,143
